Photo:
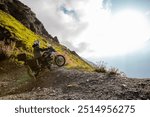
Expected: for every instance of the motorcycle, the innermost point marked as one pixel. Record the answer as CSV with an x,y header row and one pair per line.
x,y
46,61
49,58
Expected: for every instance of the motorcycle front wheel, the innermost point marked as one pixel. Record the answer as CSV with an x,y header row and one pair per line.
x,y
60,60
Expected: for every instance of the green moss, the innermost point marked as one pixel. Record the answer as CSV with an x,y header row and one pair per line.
x,y
20,33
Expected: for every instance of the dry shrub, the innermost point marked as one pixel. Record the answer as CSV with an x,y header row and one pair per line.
x,y
101,67
115,72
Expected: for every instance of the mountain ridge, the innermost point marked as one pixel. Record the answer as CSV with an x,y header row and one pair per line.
x,y
24,14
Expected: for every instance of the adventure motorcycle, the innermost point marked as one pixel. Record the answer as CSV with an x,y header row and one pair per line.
x,y
49,58
46,61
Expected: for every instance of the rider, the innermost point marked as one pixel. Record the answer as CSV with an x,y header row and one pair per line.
x,y
37,51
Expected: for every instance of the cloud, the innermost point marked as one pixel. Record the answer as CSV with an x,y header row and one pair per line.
x,y
61,18
86,26
71,12
79,48
78,24
116,5
107,4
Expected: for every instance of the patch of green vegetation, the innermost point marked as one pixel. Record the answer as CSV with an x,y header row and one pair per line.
x,y
19,31
26,38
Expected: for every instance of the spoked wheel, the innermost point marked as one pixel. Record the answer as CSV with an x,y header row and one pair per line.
x,y
60,60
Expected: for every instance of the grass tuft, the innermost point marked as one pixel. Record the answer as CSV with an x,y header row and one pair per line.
x,y
101,67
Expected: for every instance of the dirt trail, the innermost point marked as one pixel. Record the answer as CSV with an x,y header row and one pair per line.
x,y
73,84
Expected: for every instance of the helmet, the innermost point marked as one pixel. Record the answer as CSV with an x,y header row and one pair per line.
x,y
36,43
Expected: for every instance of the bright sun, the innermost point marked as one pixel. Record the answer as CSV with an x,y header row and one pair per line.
x,y
128,30
119,34
115,34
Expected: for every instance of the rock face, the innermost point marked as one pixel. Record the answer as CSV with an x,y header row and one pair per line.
x,y
24,14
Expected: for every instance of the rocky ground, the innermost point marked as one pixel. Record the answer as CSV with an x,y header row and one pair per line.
x,y
73,84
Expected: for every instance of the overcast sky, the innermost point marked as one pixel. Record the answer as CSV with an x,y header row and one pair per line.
x,y
63,18
82,25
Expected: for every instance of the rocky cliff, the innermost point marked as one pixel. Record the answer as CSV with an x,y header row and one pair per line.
x,y
24,14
